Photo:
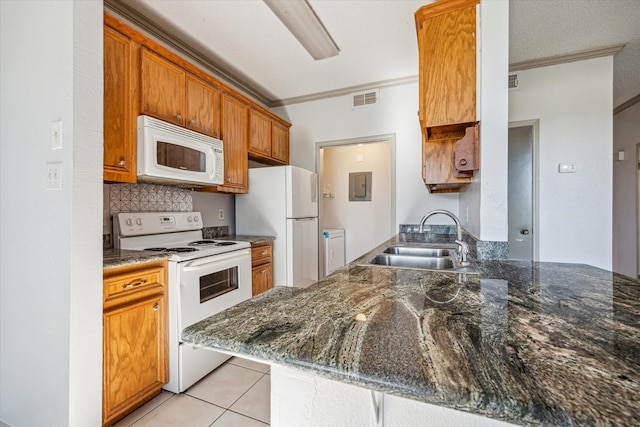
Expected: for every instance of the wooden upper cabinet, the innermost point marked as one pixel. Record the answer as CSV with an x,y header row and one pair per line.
x,y
280,142
260,136
162,88
268,139
202,107
235,128
446,33
118,113
447,60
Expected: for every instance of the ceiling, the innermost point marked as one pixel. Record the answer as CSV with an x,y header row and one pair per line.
x,y
244,42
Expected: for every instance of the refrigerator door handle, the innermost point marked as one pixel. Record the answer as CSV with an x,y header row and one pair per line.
x,y
310,218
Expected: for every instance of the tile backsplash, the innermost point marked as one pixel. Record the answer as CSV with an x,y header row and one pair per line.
x,y
149,198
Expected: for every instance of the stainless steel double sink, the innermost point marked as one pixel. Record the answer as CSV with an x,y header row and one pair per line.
x,y
425,256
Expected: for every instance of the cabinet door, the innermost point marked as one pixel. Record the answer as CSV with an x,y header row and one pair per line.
x,y
261,279
260,135
135,355
161,88
202,107
447,44
119,129
235,123
280,142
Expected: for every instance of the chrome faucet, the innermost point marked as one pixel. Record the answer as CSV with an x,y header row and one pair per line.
x,y
463,247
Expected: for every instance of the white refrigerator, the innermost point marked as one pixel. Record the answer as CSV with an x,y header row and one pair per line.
x,y
283,202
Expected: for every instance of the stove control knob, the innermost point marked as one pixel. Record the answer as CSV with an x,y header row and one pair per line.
x,y
129,222
139,221
189,219
196,219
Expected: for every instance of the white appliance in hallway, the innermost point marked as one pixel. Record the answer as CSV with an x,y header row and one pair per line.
x,y
333,249
283,202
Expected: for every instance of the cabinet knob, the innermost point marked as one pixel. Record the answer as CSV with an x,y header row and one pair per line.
x,y
524,232
463,162
192,121
178,116
155,307
262,271
121,162
228,179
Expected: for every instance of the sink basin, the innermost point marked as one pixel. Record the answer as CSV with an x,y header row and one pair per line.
x,y
421,252
408,261
435,257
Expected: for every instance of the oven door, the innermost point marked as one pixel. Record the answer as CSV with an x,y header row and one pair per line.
x,y
212,284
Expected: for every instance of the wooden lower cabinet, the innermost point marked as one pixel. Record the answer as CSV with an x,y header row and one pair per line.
x,y
135,337
261,268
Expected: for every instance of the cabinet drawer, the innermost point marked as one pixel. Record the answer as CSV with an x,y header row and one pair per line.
x,y
260,255
261,279
136,283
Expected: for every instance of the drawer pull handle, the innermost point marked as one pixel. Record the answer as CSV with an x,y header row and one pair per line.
x,y
134,284
155,307
262,271
263,253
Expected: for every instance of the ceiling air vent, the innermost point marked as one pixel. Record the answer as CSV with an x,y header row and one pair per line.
x,y
364,99
513,81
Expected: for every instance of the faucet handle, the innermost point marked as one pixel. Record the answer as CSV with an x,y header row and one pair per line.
x,y
463,250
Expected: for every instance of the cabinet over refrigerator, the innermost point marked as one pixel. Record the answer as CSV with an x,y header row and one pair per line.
x,y
283,202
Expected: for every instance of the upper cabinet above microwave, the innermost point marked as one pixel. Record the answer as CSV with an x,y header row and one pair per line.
x,y
143,77
171,94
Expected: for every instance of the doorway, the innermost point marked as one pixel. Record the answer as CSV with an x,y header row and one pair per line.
x,y
367,219
522,191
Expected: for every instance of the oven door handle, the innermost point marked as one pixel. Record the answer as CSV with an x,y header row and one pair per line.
x,y
206,262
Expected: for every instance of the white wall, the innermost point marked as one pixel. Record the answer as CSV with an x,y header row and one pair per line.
x,y
366,223
626,134
486,197
333,119
209,203
51,264
573,103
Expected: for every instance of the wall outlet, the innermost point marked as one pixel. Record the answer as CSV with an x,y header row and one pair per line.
x,y
220,214
53,176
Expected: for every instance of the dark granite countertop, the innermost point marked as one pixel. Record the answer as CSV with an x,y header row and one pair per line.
x,y
112,258
525,342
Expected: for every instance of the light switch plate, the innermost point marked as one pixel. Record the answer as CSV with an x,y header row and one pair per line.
x,y
56,135
220,214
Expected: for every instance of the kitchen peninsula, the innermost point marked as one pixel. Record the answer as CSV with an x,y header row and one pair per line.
x,y
525,343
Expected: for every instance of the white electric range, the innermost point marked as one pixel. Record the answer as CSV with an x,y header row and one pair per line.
x,y
206,276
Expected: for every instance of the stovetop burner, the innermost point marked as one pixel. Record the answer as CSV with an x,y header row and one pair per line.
x,y
211,242
171,249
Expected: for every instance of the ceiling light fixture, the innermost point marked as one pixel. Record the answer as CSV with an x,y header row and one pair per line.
x,y
301,20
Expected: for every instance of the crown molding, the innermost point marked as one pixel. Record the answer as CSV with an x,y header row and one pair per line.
x,y
346,91
630,103
563,59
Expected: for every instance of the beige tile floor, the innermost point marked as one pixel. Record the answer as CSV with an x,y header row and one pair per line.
x,y
237,394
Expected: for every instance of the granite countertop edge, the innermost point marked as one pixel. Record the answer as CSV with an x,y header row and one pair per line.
x,y
114,258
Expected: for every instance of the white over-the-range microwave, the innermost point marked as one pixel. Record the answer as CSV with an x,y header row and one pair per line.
x,y
172,154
